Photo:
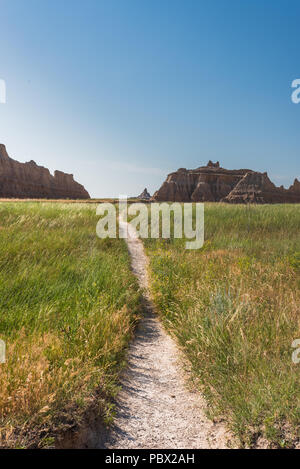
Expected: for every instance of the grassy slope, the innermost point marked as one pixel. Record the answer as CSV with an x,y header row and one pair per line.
x,y
68,304
234,307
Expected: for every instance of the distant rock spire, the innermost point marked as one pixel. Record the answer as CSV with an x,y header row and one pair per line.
x,y
144,195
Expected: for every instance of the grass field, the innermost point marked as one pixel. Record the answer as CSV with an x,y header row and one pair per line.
x,y
234,307
68,306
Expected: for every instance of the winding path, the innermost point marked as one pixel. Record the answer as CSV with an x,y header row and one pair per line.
x,y
155,407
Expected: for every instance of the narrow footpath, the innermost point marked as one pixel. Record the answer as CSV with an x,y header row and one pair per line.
x,y
156,408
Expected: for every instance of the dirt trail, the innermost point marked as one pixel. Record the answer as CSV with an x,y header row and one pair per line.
x,y
155,407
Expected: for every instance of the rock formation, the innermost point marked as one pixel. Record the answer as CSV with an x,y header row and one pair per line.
x,y
144,195
257,188
211,183
28,180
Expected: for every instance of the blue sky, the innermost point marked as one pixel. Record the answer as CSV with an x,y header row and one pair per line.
x,y
121,92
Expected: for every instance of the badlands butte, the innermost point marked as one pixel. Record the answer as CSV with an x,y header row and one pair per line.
x,y
210,183
30,181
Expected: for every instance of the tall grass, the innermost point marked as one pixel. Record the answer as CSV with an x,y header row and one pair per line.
x,y
234,306
68,305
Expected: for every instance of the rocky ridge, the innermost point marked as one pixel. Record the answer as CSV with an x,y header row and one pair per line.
x,y
212,183
28,180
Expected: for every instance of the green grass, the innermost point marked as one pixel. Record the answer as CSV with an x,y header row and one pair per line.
x,y
68,306
234,307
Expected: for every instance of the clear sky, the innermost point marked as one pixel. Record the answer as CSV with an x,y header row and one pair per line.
x,y
121,92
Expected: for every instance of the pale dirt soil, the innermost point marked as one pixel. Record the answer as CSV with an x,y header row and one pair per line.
x,y
156,408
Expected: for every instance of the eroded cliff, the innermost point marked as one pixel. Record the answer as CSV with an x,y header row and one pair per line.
x,y
211,183
28,180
